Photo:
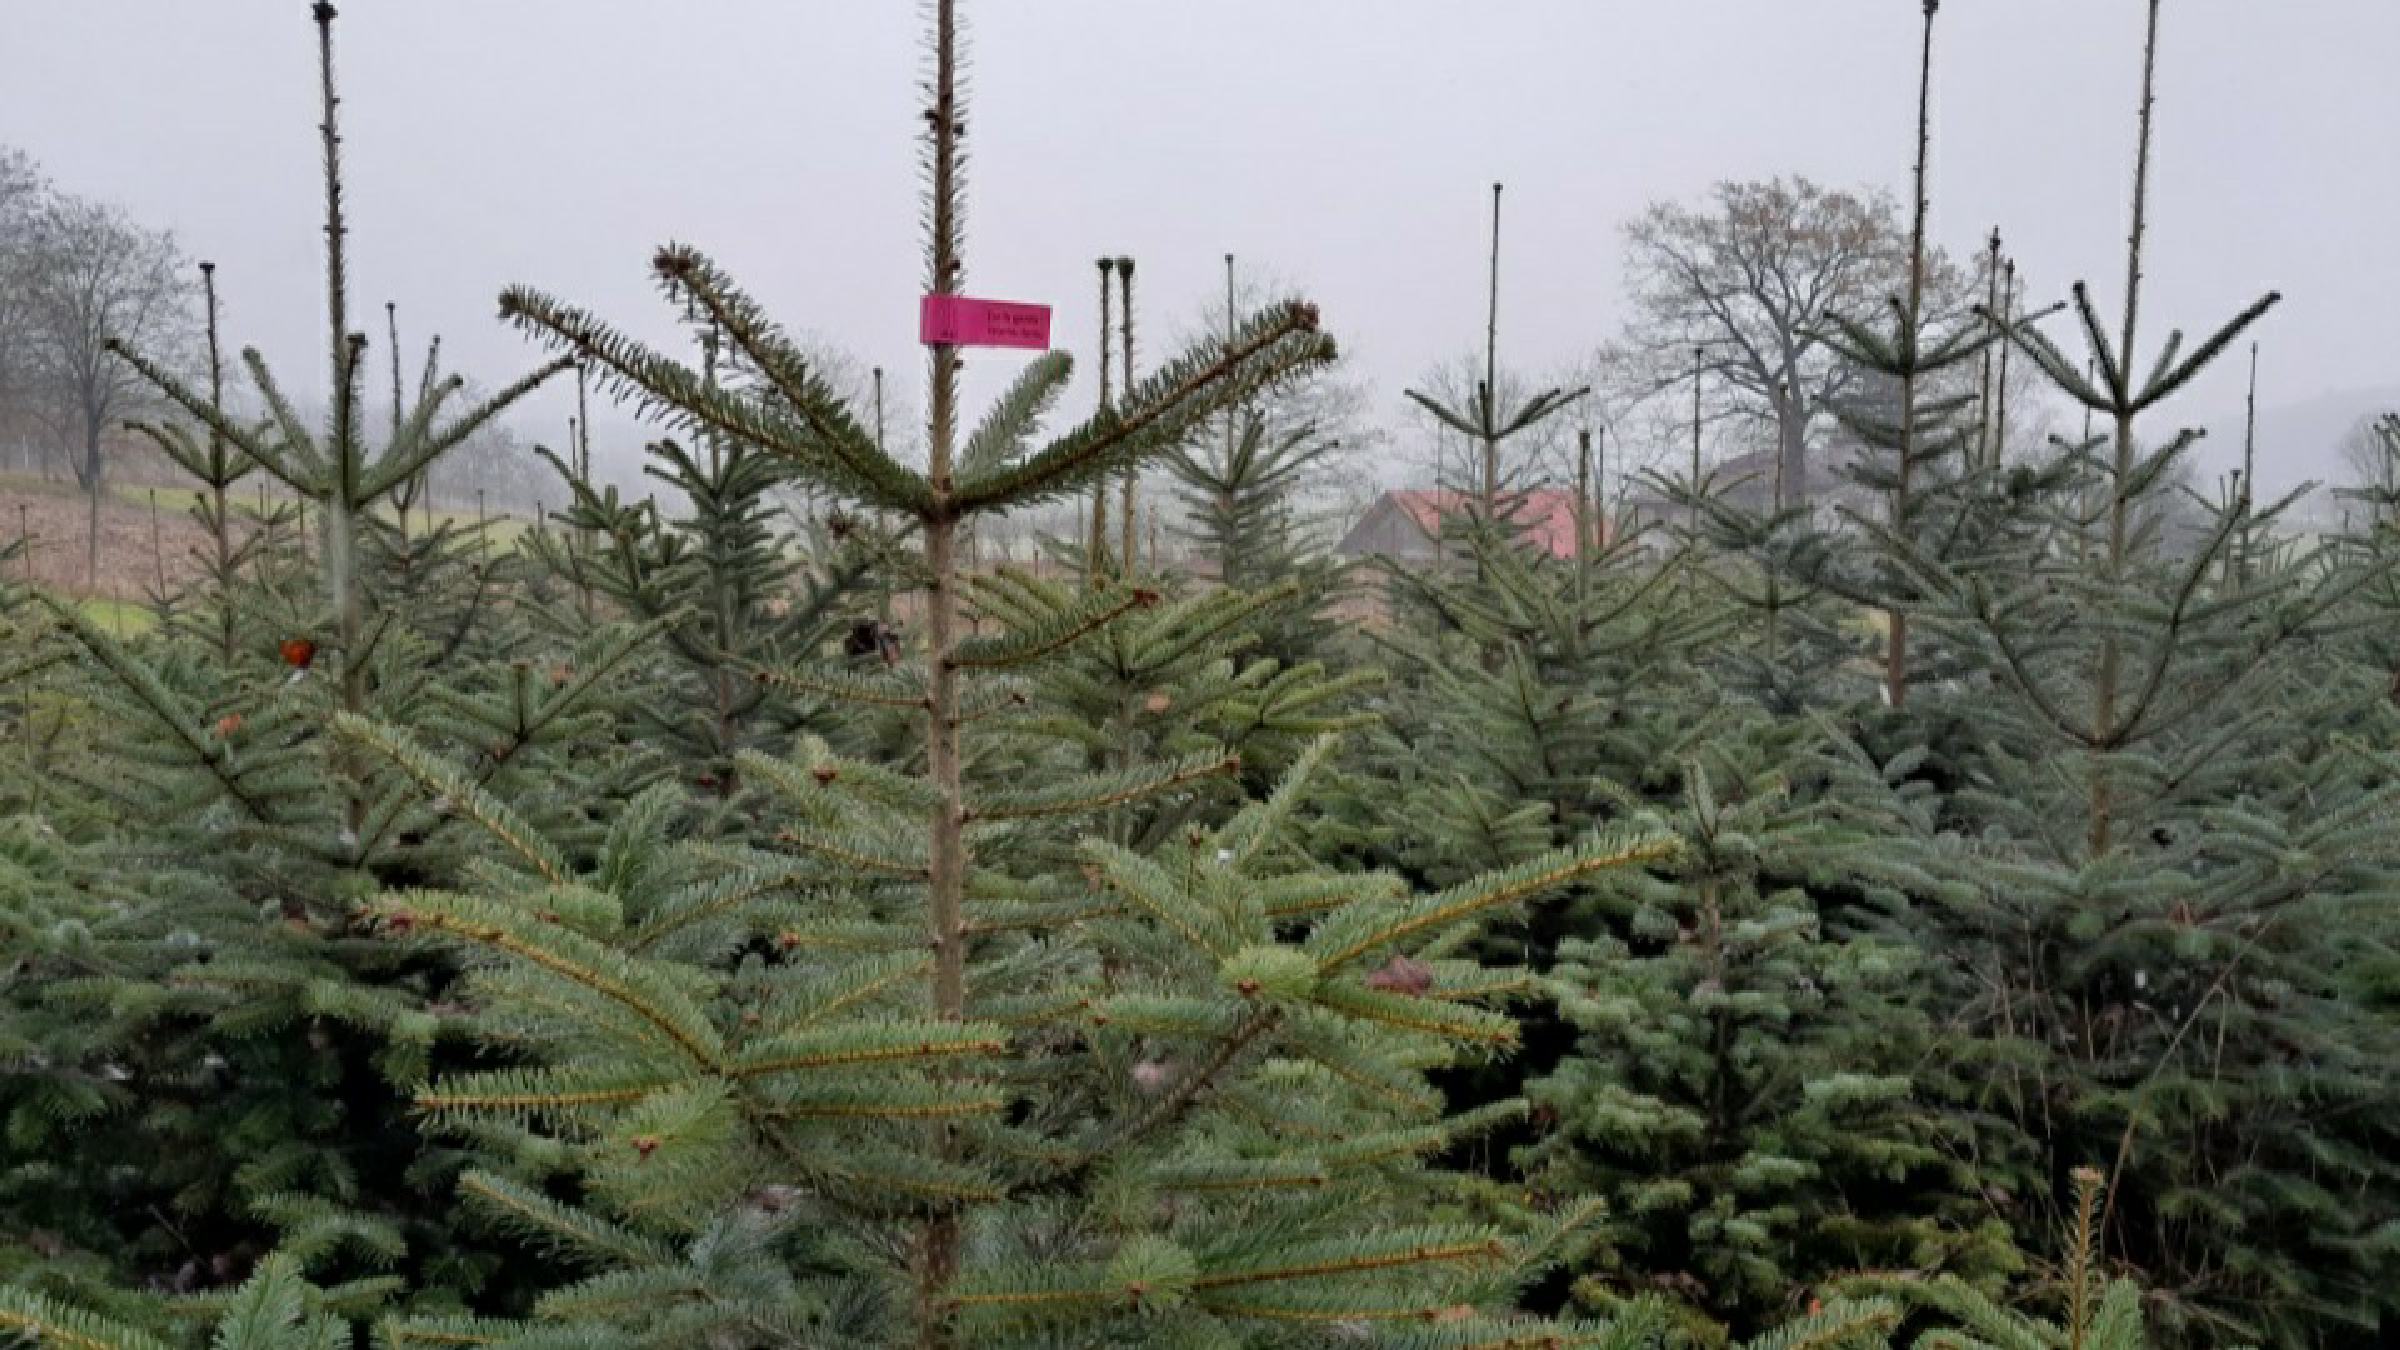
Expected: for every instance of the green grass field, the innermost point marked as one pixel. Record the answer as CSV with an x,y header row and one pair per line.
x,y
119,618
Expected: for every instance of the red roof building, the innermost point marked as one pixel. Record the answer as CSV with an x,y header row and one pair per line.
x,y
1408,525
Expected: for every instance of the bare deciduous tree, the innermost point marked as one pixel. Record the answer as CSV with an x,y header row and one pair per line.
x,y
93,275
22,190
1750,276
2370,454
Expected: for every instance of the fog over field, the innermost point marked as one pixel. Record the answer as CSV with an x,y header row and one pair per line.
x,y
1341,144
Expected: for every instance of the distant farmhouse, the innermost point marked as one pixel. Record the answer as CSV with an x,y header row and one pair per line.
x,y
1407,526
1746,481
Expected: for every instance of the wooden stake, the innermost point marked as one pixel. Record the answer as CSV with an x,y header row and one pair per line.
x,y
1126,508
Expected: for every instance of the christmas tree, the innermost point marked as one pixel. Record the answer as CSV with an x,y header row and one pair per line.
x,y
961,1095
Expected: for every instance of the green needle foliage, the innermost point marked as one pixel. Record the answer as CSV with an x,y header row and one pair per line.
x,y
2158,972
735,592
1965,919
208,1053
1749,1082
972,1092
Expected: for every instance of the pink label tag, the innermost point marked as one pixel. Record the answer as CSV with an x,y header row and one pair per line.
x,y
964,322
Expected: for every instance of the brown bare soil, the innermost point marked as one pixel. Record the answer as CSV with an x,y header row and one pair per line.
x,y
53,522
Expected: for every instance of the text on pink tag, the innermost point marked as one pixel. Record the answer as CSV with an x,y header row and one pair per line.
x,y
963,321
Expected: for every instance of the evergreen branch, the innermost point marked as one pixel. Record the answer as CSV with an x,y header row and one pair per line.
x,y
876,1172
850,849
1234,1175
1538,408
1170,1106
1188,1088
1259,823
1324,1309
2113,372
447,782
2165,360
1428,1016
566,954
447,1333
1173,1016
177,444
562,1231
49,1325
1356,1256
162,704
1444,415
597,657
609,1296
1837,1324
2056,365
1038,1292
26,665
1151,890
828,788
402,465
1302,893
1483,985
432,393
2164,383
867,1043
556,1094
690,275
1152,417
1001,435
857,983
888,1101
881,689
1422,1140
1353,932
1507,1334
1059,631
1194,622
668,387
200,406
2016,666
714,898
1088,793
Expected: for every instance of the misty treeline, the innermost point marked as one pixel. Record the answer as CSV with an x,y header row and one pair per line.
x,y
1895,862
76,273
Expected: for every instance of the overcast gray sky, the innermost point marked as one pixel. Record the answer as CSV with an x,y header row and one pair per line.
x,y
1343,144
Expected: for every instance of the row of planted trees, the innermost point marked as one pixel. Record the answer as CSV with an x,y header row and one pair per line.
x,y
1828,932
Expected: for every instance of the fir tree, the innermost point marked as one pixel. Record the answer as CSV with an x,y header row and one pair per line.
x,y
967,1128
1748,1084
1493,499
735,592
204,1001
2182,893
